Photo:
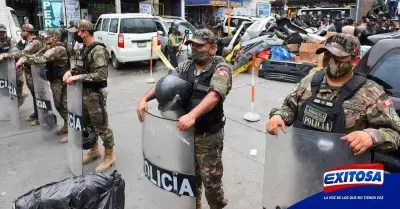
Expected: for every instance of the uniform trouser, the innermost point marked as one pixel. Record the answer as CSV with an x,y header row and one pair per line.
x,y
29,83
20,85
59,89
209,168
172,56
95,113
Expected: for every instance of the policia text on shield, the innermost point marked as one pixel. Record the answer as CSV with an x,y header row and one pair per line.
x,y
339,101
201,86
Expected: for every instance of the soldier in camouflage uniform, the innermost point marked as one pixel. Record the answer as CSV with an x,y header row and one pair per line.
x,y
91,70
213,78
5,46
56,58
337,100
32,46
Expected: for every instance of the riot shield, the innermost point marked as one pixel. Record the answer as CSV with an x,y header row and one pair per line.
x,y
4,97
75,128
12,93
8,94
169,164
44,102
296,161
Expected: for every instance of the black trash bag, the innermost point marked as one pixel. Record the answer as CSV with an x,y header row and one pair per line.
x,y
91,191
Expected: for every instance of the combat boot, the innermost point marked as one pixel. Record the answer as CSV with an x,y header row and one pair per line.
x,y
64,140
225,203
109,160
63,130
35,123
94,154
32,117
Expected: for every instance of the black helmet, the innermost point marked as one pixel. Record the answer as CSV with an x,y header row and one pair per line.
x,y
173,92
89,138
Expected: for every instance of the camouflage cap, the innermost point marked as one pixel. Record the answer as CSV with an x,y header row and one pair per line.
x,y
3,28
53,32
28,27
81,25
202,36
341,45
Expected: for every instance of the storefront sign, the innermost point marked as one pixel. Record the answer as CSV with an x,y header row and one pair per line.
x,y
220,3
52,13
145,8
263,9
72,10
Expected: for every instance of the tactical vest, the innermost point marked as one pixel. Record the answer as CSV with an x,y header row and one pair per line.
x,y
323,115
55,71
82,67
5,45
212,121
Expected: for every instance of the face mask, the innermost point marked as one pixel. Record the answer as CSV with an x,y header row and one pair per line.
x,y
78,38
335,69
2,35
200,57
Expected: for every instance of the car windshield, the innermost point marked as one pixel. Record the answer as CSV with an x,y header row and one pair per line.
x,y
136,25
182,27
15,18
385,71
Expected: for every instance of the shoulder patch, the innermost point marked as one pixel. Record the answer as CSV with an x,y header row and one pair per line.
x,y
386,103
222,73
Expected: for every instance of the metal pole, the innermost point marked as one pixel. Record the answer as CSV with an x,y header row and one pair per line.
x,y
118,6
229,18
358,10
183,8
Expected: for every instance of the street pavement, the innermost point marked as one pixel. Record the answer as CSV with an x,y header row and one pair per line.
x,y
27,161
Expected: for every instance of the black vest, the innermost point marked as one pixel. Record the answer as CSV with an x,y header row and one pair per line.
x,y
82,67
322,115
54,71
212,121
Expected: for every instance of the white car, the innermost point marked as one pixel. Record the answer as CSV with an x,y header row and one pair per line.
x,y
128,37
236,21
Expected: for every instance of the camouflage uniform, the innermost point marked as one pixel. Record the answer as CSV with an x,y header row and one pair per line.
x,y
209,146
5,46
55,58
31,47
370,109
95,100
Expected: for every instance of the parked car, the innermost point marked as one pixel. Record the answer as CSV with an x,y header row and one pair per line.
x,y
380,64
128,37
236,21
184,28
12,24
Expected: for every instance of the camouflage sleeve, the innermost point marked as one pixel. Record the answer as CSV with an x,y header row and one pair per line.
x,y
50,55
384,123
221,81
290,106
99,72
31,48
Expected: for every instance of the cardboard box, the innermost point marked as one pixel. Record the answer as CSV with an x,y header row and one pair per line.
x,y
310,47
305,56
258,63
293,48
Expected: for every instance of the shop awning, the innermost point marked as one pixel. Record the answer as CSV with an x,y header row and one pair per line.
x,y
220,3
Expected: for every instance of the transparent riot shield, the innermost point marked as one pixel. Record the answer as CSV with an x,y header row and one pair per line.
x,y
44,102
4,97
169,164
296,161
75,128
12,93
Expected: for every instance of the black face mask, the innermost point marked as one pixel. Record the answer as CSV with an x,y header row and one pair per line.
x,y
78,38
